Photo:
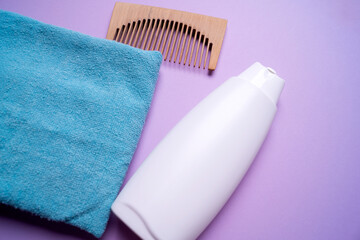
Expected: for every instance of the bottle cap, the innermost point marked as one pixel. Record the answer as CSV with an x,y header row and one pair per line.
x,y
265,79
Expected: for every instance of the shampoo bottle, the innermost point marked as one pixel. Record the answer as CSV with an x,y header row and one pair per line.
x,y
191,174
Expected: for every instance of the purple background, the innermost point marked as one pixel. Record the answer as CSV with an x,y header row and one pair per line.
x,y
305,182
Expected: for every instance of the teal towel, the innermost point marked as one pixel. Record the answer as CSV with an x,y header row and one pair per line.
x,y
72,108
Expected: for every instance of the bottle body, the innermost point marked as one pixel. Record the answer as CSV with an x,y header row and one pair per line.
x,y
190,175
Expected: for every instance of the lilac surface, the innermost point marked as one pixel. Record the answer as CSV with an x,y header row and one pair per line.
x,y
305,181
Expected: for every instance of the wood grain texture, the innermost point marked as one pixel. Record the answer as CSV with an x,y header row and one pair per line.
x,y
165,30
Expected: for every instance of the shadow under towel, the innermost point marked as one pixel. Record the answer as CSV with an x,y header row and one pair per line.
x,y
72,108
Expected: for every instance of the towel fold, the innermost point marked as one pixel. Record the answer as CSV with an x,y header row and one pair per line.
x,y
72,108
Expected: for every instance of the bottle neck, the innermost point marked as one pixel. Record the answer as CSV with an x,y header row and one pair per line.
x,y
265,79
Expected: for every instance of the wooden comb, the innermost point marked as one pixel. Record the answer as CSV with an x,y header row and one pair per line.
x,y
174,33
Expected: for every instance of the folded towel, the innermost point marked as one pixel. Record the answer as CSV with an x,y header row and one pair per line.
x,y
72,108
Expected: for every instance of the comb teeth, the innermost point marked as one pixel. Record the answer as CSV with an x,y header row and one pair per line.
x,y
172,39
181,37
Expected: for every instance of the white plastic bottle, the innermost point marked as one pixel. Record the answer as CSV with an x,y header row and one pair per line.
x,y
190,175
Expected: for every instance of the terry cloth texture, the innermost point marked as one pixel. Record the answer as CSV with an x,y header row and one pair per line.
x,y
72,108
